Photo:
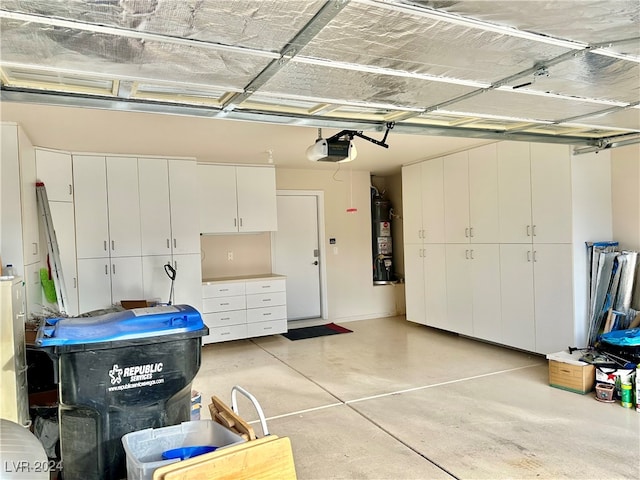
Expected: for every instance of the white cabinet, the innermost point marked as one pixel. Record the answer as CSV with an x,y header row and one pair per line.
x,y
535,194
523,284
55,170
106,281
246,307
108,245
168,206
187,284
20,239
107,206
14,402
170,233
471,196
423,216
236,199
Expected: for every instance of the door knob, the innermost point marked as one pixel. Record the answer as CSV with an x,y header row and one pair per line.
x,y
316,262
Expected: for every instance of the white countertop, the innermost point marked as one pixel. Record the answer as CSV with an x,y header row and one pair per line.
x,y
241,278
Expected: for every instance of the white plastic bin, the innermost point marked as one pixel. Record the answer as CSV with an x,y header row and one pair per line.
x,y
144,448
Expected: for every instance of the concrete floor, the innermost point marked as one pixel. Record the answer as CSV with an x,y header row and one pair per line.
x,y
396,400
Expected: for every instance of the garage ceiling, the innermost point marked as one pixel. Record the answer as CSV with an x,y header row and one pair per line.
x,y
556,71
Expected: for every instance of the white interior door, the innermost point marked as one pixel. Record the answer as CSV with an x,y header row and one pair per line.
x,y
296,254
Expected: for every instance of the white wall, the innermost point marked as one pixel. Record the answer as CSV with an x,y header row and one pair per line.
x,y
351,293
625,181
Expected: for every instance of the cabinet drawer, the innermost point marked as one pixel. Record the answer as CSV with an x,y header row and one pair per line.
x,y
267,313
222,289
221,319
266,328
264,286
223,334
223,304
266,299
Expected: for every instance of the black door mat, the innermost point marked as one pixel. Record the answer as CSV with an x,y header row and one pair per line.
x,y
317,331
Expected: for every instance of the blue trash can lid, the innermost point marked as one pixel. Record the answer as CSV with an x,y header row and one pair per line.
x,y
137,323
623,338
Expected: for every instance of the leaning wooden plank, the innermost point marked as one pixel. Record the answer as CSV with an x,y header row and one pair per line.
x,y
268,458
224,410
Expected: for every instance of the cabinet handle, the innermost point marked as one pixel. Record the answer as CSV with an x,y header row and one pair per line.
x,y
106,269
528,255
113,268
240,221
471,231
266,286
168,244
105,245
223,290
466,232
535,259
266,299
225,318
235,222
528,230
75,282
113,245
266,314
533,231
70,189
227,303
35,248
471,254
175,243
466,254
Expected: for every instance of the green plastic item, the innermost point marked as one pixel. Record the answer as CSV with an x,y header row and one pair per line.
x,y
48,286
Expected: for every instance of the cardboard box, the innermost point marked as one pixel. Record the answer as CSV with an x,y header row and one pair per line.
x,y
567,372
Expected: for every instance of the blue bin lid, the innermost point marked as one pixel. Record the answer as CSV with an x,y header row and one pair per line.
x,y
131,324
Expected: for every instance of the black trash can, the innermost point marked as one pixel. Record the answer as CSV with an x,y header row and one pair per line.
x,y
118,373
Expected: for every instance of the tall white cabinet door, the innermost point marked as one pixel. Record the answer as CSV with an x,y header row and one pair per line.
x,y
551,193
456,198
553,286
517,299
514,189
64,226
257,205
54,169
433,201
217,199
188,284
156,284
92,216
485,285
459,293
484,223
94,284
30,219
155,223
183,193
435,285
414,283
124,207
126,279
412,189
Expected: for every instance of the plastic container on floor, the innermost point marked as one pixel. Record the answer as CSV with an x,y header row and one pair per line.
x,y
144,448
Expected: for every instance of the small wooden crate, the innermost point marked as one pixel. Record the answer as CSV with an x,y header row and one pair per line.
x,y
575,378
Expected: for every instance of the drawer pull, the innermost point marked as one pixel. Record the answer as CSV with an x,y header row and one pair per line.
x,y
225,333
266,286
266,299
266,314
226,303
268,328
224,289
226,318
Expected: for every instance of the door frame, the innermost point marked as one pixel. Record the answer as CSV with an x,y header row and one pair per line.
x,y
319,194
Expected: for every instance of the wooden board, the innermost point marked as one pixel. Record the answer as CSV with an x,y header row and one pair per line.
x,y
267,458
222,414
